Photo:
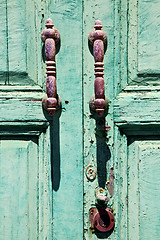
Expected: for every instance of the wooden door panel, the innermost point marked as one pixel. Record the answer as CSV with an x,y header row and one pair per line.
x,y
59,207
148,44
137,45
61,146
20,35
98,147
136,120
19,189
143,191
3,39
137,107
25,196
68,141
136,182
143,44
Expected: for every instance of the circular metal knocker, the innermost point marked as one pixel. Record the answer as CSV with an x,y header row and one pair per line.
x,y
103,220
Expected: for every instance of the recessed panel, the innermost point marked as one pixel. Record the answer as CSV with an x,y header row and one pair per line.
x,y
18,43
143,42
143,189
19,189
149,36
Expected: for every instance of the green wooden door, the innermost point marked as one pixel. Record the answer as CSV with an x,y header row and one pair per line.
x,y
44,192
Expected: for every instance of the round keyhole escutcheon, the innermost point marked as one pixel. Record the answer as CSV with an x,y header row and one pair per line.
x,y
104,220
91,172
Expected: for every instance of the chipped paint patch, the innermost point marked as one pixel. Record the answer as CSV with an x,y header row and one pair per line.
x,y
110,183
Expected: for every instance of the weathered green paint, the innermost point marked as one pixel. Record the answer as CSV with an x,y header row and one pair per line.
x,y
68,168
44,191
19,183
136,113
51,207
98,148
143,181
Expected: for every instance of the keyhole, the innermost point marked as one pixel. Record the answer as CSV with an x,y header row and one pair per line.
x,y
104,220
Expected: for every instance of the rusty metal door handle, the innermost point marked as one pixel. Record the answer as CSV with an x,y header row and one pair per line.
x,y
97,40
51,37
101,216
102,219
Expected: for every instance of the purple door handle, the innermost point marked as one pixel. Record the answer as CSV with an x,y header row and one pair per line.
x,y
98,42
51,37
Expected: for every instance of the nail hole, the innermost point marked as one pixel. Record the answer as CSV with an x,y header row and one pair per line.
x,y
66,102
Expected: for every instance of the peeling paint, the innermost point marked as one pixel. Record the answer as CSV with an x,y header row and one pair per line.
x,y
110,183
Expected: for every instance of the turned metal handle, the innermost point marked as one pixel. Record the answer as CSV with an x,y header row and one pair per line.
x,y
98,44
51,37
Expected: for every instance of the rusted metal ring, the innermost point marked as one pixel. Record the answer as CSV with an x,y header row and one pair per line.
x,y
100,225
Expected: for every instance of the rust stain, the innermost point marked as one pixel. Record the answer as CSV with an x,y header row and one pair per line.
x,y
110,183
126,200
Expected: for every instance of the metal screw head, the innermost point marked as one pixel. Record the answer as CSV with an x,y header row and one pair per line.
x,y
101,195
91,172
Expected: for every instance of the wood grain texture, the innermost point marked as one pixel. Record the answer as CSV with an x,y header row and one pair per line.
x,y
16,35
21,48
53,198
18,204
3,45
143,44
148,36
136,112
26,196
137,107
120,185
67,131
45,188
25,180
143,177
97,146
136,47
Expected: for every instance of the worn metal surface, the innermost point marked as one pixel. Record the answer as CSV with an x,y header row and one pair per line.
x,y
91,172
102,219
98,41
101,196
50,36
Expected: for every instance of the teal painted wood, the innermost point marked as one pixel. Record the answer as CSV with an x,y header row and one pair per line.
x,y
98,147
142,183
3,46
26,193
54,196
16,36
25,199
143,25
67,141
18,201
136,112
21,46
